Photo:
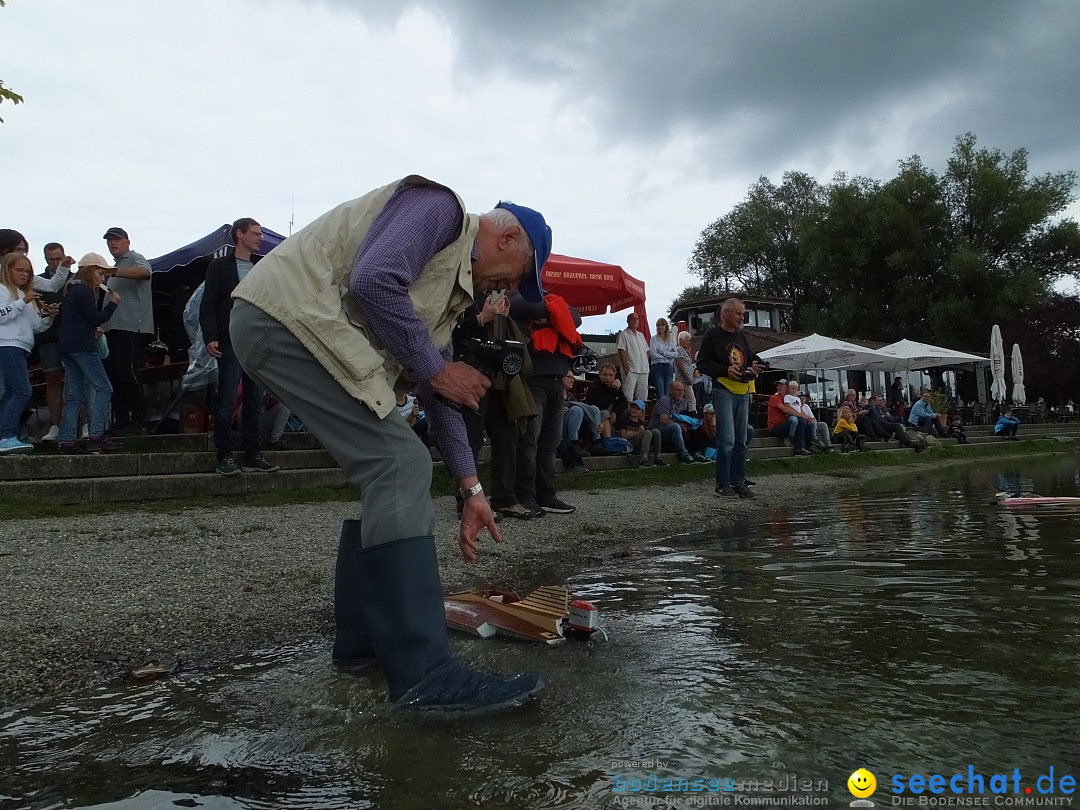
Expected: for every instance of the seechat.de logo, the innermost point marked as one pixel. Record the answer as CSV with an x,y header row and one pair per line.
x,y
862,785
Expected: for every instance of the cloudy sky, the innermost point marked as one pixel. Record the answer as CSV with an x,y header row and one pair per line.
x,y
632,124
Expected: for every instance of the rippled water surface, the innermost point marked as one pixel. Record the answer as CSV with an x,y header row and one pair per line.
x,y
912,627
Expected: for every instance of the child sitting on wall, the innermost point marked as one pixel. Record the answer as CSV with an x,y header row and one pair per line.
x,y
846,433
956,428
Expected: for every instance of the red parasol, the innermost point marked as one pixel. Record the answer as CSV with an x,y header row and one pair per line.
x,y
595,288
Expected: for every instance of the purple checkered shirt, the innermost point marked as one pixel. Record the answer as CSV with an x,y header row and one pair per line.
x,y
416,223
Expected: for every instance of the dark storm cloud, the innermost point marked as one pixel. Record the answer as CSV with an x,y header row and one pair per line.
x,y
763,82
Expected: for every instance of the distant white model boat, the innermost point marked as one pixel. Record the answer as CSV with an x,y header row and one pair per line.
x,y
1005,499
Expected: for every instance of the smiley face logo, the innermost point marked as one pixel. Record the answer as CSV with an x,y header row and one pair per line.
x,y
861,783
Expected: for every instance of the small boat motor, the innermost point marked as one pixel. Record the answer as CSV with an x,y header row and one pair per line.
x,y
583,620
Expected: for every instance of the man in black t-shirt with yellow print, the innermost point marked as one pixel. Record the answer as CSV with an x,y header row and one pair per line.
x,y
726,357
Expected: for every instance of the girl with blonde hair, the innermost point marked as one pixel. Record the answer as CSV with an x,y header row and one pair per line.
x,y
21,316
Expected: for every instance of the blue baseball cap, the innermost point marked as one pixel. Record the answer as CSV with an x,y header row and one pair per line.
x,y
531,287
637,403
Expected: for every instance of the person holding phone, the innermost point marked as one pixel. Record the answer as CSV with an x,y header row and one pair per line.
x,y
22,314
86,382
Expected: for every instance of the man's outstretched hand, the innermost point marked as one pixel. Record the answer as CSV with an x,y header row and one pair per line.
x,y
475,516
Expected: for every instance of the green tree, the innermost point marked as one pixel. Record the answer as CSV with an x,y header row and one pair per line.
x,y
938,258
758,247
1006,247
695,292
7,94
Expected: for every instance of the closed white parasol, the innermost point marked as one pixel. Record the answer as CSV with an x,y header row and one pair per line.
x,y
1019,394
998,392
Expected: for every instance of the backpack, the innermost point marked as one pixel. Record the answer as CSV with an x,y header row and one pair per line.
x,y
692,421
617,446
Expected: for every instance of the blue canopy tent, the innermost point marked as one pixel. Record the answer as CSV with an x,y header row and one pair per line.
x,y
178,273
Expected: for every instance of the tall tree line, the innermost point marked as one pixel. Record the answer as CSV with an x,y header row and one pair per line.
x,y
934,257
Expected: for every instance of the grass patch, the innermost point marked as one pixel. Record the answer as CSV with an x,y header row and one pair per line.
x,y
834,465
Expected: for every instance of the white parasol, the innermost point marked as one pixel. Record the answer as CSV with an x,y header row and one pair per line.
x,y
908,355
998,392
1019,394
817,351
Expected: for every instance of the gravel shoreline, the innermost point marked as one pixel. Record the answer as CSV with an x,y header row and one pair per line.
x,y
86,600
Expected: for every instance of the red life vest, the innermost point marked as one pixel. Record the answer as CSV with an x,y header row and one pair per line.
x,y
559,335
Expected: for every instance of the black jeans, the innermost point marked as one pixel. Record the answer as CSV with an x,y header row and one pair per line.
x,y
535,476
504,443
505,436
230,375
890,429
871,429
125,359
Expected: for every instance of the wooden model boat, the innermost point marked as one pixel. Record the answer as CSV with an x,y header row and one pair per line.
x,y
485,612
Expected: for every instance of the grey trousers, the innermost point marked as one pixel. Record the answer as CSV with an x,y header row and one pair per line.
x,y
384,458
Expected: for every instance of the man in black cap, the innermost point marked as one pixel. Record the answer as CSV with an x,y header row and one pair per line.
x,y
128,332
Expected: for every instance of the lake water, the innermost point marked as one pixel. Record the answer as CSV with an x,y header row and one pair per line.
x,y
909,627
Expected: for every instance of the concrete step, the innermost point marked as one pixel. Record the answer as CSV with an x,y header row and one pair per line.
x,y
138,476
150,488
40,466
181,443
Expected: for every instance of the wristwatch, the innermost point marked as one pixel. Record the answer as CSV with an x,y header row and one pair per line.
x,y
475,489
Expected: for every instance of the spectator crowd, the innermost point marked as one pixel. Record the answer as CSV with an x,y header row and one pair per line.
x,y
90,322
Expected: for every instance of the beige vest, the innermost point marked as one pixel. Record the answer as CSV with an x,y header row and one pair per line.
x,y
304,284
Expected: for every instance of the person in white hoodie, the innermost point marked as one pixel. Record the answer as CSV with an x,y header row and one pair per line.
x,y
19,320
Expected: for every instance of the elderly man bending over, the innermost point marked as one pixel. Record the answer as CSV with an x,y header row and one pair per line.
x,y
356,305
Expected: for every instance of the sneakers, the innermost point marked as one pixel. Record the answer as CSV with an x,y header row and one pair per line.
x,y
536,509
748,483
700,459
802,452
226,465
555,506
12,446
659,462
259,464
686,458
743,491
723,490
52,435
646,462
515,511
